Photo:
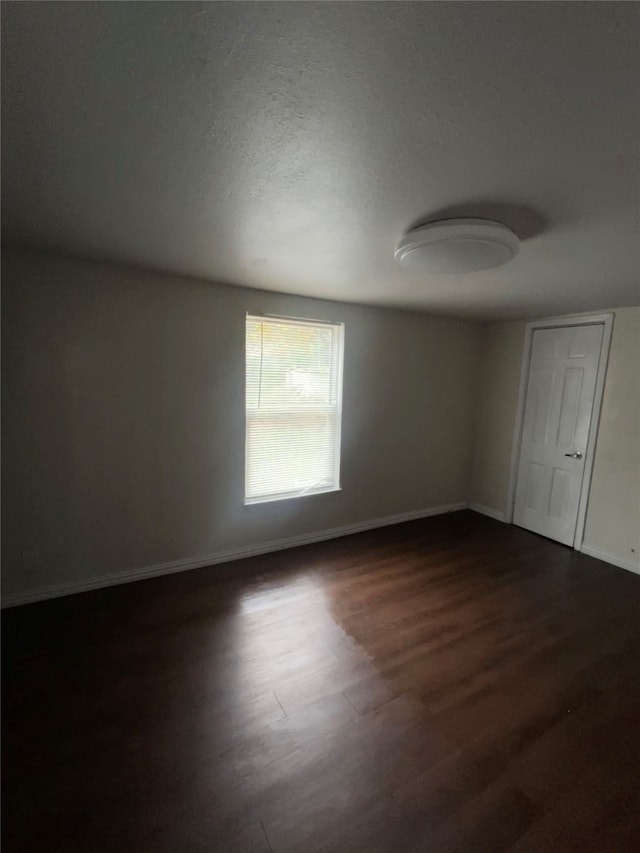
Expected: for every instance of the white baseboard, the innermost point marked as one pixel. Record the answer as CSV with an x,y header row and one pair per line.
x,y
486,510
609,558
71,587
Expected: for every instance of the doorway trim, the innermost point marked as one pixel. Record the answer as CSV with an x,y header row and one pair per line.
x,y
605,320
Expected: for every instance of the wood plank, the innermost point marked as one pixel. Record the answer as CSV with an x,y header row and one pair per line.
x,y
447,684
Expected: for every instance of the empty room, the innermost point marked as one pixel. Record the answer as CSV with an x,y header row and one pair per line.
x,y
320,427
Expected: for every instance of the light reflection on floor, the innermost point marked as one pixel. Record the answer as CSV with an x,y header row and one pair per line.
x,y
285,631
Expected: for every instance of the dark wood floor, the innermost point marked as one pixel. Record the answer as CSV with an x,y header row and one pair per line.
x,y
447,685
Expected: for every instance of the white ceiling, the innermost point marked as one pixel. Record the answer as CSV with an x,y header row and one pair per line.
x,y
288,146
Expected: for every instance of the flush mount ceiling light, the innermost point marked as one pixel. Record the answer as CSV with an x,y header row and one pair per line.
x,y
454,246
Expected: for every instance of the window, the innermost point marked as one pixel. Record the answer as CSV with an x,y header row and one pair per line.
x,y
293,403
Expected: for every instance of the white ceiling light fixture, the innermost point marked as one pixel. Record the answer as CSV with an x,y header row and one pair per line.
x,y
455,246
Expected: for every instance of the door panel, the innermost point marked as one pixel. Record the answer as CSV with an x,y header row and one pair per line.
x,y
570,406
557,416
559,493
544,380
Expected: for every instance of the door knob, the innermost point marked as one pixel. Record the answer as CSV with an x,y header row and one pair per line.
x,y
576,455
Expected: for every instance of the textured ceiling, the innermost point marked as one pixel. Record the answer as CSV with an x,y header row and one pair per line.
x,y
288,146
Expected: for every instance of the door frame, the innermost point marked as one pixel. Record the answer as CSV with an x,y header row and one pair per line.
x,y
605,320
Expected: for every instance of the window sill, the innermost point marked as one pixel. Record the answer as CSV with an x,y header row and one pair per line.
x,y
248,502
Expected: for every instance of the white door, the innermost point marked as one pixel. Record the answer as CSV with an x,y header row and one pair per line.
x,y
557,417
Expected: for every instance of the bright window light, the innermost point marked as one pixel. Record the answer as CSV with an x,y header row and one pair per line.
x,y
293,407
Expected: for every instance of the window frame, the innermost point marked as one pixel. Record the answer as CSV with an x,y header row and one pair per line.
x,y
338,331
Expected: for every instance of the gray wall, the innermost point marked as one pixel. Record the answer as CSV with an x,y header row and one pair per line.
x,y
124,419
123,422
500,362
612,525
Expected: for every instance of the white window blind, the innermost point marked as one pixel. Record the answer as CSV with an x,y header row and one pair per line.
x,y
293,408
